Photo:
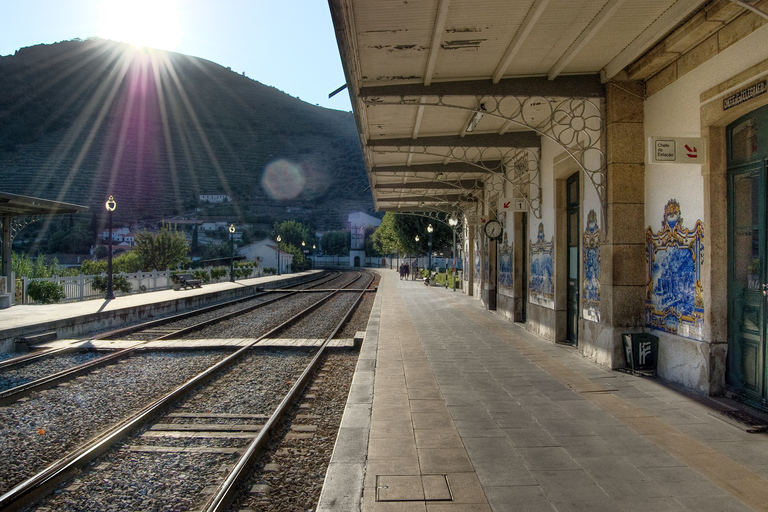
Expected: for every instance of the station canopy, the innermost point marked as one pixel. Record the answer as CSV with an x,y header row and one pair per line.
x,y
13,205
22,206
452,97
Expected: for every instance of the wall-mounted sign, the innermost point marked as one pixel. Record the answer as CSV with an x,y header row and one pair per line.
x,y
512,204
473,219
677,150
744,95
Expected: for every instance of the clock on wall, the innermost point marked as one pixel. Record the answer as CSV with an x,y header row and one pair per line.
x,y
493,229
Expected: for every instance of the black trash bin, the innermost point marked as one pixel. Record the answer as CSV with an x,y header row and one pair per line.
x,y
642,351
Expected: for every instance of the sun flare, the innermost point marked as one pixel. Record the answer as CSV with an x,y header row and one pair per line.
x,y
144,23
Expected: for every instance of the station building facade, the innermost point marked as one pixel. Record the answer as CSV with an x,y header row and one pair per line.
x,y
648,213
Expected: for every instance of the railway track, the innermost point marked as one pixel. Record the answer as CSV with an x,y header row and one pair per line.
x,y
198,424
14,385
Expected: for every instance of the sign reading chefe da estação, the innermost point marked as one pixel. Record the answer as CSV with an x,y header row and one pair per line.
x,y
677,150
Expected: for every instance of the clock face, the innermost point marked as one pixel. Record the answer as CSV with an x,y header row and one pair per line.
x,y
493,229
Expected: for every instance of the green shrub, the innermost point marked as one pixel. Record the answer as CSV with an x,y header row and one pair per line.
x,y
45,292
119,284
202,275
219,272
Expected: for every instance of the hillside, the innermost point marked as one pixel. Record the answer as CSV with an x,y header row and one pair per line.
x,y
80,120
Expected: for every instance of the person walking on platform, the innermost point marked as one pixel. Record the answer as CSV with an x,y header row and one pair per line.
x,y
406,269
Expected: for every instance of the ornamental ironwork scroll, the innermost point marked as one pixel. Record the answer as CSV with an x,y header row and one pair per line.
x,y
576,124
674,294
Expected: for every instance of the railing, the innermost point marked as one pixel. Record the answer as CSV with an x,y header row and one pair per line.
x,y
80,287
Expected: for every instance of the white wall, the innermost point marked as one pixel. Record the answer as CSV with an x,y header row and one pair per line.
x,y
675,111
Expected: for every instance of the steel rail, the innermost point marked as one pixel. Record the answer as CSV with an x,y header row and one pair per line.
x,y
10,395
226,493
13,394
36,486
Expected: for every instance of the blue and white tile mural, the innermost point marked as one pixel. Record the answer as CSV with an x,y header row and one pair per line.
x,y
674,299
590,293
477,267
542,288
505,268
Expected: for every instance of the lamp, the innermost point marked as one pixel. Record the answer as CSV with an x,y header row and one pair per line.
x,y
111,204
476,118
232,253
430,229
453,221
279,239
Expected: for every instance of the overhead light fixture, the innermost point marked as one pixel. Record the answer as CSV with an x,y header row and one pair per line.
x,y
476,118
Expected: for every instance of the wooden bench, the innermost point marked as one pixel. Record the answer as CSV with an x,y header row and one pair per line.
x,y
188,281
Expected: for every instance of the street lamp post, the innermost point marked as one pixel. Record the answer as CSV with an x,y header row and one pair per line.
x,y
454,221
232,253
417,254
111,204
279,239
430,229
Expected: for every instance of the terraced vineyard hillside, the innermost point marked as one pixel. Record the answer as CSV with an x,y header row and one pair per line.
x,y
80,120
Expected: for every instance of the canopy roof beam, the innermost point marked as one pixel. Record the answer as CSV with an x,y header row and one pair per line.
x,y
514,139
566,86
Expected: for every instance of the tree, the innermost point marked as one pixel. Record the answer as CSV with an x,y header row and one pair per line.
x,y
164,250
336,243
397,233
293,232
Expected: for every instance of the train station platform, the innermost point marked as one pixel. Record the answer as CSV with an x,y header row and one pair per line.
x,y
71,319
453,408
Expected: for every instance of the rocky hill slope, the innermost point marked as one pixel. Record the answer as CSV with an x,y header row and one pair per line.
x,y
80,120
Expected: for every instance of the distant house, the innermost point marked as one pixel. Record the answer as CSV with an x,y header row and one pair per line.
x,y
214,226
357,223
266,254
215,198
118,234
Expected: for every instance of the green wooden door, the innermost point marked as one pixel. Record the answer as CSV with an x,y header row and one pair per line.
x,y
747,370
573,237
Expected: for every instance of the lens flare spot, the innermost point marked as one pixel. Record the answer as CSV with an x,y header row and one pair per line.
x,y
283,180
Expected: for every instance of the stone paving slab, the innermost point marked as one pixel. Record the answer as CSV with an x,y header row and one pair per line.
x,y
516,422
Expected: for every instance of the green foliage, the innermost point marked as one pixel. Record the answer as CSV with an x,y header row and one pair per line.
x,y
71,239
398,232
336,243
293,233
45,292
218,272
202,275
24,266
119,284
128,262
270,271
164,250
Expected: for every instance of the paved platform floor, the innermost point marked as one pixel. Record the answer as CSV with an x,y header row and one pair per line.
x,y
453,408
23,315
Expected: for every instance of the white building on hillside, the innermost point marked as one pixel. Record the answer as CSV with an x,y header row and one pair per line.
x,y
266,254
358,222
215,198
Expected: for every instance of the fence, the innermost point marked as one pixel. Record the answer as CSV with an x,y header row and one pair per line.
x,y
80,287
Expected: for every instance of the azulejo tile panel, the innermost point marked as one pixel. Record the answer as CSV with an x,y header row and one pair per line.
x,y
674,295
590,293
477,267
506,279
541,287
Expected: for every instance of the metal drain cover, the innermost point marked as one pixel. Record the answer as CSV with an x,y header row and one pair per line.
x,y
412,488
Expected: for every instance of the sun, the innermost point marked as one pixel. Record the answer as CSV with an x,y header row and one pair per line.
x,y
144,23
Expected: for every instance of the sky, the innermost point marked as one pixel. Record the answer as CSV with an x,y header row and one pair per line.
x,y
288,44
